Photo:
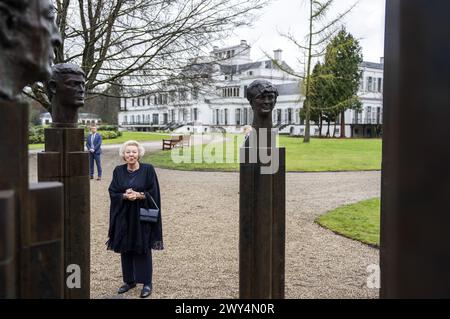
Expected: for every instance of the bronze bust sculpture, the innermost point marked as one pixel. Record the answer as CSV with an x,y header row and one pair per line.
x,y
28,37
66,90
262,96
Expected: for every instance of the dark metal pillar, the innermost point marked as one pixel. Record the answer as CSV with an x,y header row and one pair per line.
x,y
46,278
262,230
14,177
28,219
64,160
7,245
415,209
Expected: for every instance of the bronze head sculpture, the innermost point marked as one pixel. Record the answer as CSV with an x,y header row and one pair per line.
x,y
66,90
28,37
262,96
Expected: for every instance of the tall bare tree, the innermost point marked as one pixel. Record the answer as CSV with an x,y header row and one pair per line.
x,y
320,30
141,43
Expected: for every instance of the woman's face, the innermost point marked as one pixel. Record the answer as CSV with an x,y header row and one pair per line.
x,y
131,154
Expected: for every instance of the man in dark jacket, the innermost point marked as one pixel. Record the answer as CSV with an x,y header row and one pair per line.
x,y
94,146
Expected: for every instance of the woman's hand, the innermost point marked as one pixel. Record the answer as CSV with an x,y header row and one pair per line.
x,y
139,196
132,195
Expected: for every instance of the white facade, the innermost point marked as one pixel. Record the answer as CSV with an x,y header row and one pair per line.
x,y
224,107
83,118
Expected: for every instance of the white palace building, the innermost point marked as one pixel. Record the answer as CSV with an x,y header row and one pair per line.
x,y
226,109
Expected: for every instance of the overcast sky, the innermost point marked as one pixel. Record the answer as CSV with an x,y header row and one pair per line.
x,y
365,22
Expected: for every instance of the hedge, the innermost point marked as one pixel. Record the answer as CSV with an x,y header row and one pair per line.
x,y
36,133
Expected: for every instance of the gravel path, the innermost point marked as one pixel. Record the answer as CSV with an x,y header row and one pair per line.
x,y
200,222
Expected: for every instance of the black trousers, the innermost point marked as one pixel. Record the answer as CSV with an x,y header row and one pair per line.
x,y
137,268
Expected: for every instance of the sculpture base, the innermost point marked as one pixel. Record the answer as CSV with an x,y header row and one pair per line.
x,y
262,231
64,160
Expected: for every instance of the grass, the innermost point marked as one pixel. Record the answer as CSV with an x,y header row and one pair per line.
x,y
35,146
318,156
360,221
137,136
332,154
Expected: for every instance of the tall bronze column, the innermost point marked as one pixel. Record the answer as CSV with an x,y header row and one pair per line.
x,y
65,160
28,38
7,243
14,178
262,203
415,209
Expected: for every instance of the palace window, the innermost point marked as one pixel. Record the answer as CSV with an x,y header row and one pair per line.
x,y
195,114
155,118
245,120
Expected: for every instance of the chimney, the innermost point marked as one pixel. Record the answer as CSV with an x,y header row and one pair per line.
x,y
277,54
243,42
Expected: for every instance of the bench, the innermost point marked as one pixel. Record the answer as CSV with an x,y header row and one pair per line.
x,y
181,140
168,144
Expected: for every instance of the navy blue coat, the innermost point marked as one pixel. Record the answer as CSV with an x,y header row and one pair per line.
x,y
126,232
97,146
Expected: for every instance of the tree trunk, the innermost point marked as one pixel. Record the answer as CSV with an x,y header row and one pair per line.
x,y
334,132
328,128
308,82
320,126
307,137
343,124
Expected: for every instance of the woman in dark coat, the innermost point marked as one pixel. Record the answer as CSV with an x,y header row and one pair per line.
x,y
134,186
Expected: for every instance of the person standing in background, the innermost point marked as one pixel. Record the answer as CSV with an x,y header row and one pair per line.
x,y
94,146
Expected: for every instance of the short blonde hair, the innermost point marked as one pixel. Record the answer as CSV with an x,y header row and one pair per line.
x,y
141,149
247,129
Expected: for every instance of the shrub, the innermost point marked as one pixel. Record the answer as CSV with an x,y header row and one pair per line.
x,y
114,128
108,135
36,134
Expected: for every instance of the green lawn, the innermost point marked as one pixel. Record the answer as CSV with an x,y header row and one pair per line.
x,y
318,156
35,146
137,136
360,221
332,154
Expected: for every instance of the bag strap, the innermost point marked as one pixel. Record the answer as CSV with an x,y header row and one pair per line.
x,y
153,201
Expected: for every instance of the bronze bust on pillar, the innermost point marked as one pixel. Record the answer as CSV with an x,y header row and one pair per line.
x,y
262,202
28,37
66,90
65,160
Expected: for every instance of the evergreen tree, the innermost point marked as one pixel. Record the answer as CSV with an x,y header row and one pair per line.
x,y
320,30
342,60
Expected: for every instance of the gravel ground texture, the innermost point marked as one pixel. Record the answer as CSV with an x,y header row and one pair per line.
x,y
200,212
